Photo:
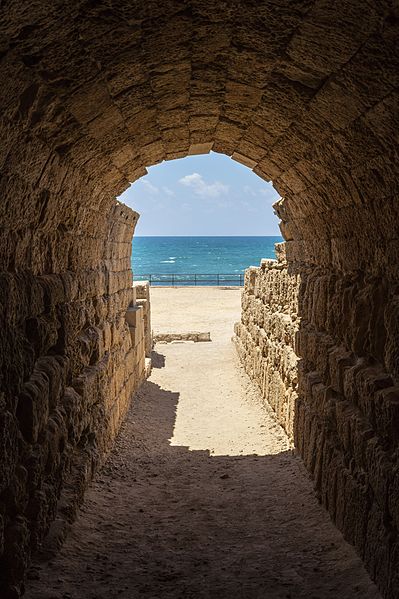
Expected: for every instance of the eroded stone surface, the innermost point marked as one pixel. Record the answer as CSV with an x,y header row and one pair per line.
x,y
317,346
69,371
304,93
202,496
141,290
195,336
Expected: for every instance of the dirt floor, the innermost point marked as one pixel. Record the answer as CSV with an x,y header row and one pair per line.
x,y
202,497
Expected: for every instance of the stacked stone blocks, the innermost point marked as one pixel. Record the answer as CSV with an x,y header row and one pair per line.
x,y
142,290
138,320
265,337
319,349
64,400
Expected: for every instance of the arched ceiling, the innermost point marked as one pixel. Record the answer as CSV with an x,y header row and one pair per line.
x,y
302,92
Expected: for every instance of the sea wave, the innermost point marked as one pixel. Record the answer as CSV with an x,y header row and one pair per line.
x,y
167,262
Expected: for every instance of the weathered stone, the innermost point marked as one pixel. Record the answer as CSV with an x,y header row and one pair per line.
x,y
303,93
191,336
308,338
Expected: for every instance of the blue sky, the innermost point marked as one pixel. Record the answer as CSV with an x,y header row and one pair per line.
x,y
209,194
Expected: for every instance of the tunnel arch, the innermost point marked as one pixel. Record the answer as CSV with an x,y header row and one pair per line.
x,y
95,92
125,93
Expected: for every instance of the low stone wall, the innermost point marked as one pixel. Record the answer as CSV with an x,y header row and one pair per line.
x,y
320,345
141,290
265,337
194,336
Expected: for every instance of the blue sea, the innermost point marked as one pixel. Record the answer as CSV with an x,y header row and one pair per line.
x,y
198,260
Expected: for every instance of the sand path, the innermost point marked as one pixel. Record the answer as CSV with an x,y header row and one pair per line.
x,y
201,497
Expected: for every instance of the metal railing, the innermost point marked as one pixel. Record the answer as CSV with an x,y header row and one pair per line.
x,y
172,279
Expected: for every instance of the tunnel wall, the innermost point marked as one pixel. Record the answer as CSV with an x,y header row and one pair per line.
x,y
321,346
69,369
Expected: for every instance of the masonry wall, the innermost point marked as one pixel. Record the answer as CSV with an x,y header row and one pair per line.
x,y
266,336
143,303
69,371
321,348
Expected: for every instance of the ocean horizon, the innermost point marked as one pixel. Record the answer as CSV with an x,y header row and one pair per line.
x,y
198,255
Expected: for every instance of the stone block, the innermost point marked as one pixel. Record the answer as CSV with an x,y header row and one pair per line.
x,y
142,289
134,315
200,148
33,407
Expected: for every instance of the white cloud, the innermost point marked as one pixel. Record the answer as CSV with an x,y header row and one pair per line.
x,y
169,192
203,189
149,186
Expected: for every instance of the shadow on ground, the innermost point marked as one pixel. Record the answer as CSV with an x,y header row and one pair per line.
x,y
166,522
157,360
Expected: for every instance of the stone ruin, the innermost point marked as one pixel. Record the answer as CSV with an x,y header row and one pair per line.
x,y
304,93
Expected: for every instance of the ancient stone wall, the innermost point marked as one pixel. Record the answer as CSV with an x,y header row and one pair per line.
x,y
142,292
320,345
69,372
265,337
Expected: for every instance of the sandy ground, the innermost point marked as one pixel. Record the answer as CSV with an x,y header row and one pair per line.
x,y
202,497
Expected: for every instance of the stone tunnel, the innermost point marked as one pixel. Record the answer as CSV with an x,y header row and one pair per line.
x,y
305,94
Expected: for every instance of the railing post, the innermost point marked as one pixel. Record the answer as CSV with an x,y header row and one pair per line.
x,y
195,280
218,280
173,280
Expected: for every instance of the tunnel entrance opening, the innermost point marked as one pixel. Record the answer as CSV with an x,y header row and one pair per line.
x,y
186,199
203,221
